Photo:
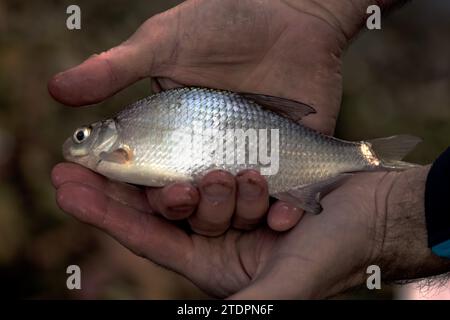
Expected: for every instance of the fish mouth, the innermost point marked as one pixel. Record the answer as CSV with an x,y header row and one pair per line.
x,y
67,155
71,156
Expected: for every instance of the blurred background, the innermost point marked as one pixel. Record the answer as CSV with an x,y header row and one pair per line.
x,y
396,80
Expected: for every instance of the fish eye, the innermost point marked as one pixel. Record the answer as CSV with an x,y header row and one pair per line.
x,y
81,134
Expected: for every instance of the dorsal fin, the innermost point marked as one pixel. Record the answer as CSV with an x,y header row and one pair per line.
x,y
285,107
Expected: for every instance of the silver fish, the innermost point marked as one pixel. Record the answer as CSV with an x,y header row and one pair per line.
x,y
181,134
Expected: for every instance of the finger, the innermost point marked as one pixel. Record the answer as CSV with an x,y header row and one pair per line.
x,y
103,75
252,199
175,202
146,235
126,194
99,77
283,216
217,201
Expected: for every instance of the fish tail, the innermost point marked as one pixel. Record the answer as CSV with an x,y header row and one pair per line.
x,y
391,150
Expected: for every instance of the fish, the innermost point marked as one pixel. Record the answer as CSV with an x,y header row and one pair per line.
x,y
179,135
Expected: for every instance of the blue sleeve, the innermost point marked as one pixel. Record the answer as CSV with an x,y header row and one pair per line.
x,y
437,205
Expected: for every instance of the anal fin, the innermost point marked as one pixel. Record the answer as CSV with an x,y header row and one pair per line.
x,y
308,197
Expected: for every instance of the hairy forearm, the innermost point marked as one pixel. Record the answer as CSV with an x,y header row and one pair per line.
x,y
404,253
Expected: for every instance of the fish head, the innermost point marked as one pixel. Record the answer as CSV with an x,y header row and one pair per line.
x,y
88,141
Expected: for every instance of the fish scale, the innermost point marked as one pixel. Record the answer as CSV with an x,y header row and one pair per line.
x,y
305,155
163,138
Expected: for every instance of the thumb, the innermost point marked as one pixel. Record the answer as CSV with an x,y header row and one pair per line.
x,y
101,76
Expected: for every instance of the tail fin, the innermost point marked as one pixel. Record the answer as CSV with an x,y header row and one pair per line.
x,y
392,150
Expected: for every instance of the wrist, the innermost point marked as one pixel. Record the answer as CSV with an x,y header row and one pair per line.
x,y
404,252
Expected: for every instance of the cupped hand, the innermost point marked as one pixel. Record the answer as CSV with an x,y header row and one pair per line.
x,y
319,257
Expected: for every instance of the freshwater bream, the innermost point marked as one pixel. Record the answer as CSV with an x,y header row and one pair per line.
x,y
181,134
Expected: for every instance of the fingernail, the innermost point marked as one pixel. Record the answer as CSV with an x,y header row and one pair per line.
x,y
67,204
181,194
56,179
249,190
283,219
216,192
287,208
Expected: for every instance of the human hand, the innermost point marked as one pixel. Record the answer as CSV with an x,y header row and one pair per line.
x,y
291,49
281,48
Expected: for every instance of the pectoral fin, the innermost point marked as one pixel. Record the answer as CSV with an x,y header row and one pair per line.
x,y
121,155
287,108
308,197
